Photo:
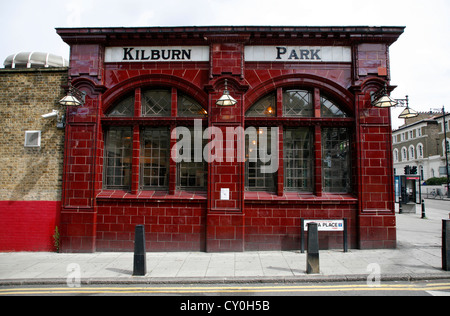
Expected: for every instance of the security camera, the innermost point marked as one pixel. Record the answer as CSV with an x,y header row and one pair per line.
x,y
54,113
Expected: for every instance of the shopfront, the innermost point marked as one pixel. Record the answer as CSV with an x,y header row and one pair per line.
x,y
152,146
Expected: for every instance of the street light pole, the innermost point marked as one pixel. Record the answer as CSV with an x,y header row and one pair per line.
x,y
446,153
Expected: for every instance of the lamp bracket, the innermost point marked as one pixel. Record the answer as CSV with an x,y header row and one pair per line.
x,y
80,95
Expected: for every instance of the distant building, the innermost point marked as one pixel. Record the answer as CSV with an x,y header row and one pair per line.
x,y
420,143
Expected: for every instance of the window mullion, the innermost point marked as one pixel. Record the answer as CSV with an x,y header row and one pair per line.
x,y
318,188
174,103
135,175
137,102
172,163
280,182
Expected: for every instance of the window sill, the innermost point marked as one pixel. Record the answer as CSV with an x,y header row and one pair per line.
x,y
152,195
296,197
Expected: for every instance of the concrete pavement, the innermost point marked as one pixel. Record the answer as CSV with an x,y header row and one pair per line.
x,y
417,257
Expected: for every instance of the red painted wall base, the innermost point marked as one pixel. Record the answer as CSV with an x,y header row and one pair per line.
x,y
28,225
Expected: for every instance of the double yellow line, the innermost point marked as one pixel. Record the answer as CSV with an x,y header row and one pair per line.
x,y
224,289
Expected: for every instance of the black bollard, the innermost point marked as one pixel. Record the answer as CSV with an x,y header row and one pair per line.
x,y
424,216
312,258
446,244
140,262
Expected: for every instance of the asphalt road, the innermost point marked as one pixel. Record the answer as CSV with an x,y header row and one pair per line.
x,y
418,288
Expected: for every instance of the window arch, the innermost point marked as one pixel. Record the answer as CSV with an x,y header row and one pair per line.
x,y
123,108
404,154
420,151
316,139
264,107
412,153
137,142
396,155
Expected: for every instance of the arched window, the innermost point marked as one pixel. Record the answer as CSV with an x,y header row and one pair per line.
x,y
156,102
395,155
264,107
404,154
412,154
316,140
297,103
137,150
420,151
124,108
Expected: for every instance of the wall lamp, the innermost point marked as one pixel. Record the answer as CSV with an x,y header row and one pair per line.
x,y
75,97
381,99
226,99
408,112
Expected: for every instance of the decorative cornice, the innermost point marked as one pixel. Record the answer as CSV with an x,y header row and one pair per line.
x,y
248,34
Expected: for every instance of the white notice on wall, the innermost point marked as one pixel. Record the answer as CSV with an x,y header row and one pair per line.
x,y
224,194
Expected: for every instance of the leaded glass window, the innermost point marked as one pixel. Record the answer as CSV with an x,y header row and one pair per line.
x,y
298,159
154,160
336,160
193,174
118,153
156,102
330,109
256,179
265,107
124,108
297,103
188,107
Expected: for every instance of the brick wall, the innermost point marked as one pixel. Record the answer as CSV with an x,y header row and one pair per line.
x,y
29,175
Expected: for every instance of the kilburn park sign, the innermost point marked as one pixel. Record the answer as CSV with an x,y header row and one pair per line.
x,y
252,53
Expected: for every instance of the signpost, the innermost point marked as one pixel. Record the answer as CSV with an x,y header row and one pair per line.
x,y
326,225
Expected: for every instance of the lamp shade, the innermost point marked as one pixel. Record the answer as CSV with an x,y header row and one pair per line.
x,y
70,100
226,99
385,102
408,113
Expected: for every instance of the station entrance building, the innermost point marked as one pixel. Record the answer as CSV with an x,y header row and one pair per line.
x,y
152,146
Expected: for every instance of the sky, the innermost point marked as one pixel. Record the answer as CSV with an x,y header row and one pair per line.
x,y
420,63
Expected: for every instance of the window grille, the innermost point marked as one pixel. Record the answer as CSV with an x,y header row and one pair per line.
x,y
154,160
298,160
297,103
265,107
336,160
118,153
330,109
256,180
188,107
193,175
124,108
156,103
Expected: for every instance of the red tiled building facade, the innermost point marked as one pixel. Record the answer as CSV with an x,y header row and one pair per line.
x,y
151,146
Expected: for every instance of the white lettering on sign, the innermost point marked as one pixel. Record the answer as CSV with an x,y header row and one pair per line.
x,y
298,53
326,225
156,54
